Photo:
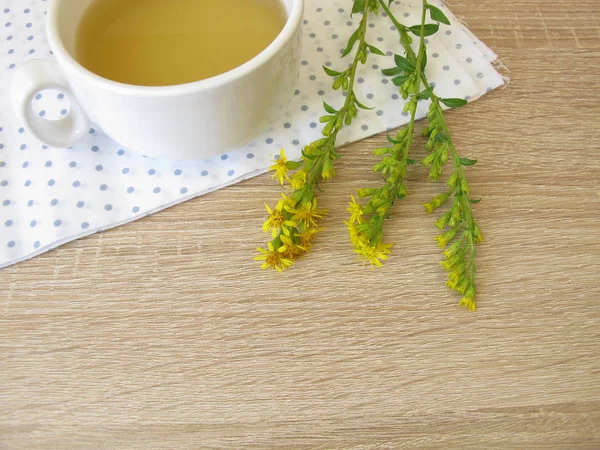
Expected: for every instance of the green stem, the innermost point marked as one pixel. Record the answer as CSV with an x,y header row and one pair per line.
x,y
317,167
402,29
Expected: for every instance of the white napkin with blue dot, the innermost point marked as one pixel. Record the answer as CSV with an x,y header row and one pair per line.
x,y
50,196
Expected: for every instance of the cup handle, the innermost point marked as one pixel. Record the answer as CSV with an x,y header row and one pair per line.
x,y
32,77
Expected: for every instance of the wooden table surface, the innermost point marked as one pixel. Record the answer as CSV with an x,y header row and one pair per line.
x,y
164,334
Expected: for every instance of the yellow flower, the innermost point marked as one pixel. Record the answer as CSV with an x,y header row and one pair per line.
x,y
293,251
280,168
274,258
468,302
307,213
444,239
356,238
373,254
276,220
298,180
355,211
328,171
306,236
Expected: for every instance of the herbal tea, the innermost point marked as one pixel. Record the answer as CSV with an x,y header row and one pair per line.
x,y
162,43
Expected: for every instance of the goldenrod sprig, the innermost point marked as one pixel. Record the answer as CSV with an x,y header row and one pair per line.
x,y
293,223
366,224
461,232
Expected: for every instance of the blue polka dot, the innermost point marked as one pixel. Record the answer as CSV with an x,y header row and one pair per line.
x,y
231,173
6,11
136,209
30,203
130,189
121,152
151,172
76,184
54,202
125,171
1,146
60,96
184,190
27,11
156,190
8,223
108,207
63,112
80,204
103,187
95,148
48,164
36,244
204,173
33,223
38,96
72,164
2,163
51,182
6,202
224,157
85,225
12,66
177,172
250,156
4,183
29,25
25,164
269,141
57,223
99,168
28,183
11,244
23,146
32,51
92,131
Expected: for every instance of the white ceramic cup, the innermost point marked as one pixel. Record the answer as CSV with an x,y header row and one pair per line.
x,y
187,121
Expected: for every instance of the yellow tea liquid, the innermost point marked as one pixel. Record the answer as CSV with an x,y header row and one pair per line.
x,y
169,42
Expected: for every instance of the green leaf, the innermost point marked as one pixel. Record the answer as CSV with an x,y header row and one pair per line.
x,y
424,61
412,162
331,73
426,94
403,63
375,50
359,6
437,14
392,72
329,109
391,140
468,162
474,201
441,137
453,102
430,28
352,41
361,106
400,80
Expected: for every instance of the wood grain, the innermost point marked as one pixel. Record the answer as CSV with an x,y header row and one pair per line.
x,y
163,333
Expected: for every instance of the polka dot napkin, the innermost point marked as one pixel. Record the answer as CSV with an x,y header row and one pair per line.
x,y
50,196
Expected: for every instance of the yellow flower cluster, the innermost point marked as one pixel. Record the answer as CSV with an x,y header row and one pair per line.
x,y
293,223
370,249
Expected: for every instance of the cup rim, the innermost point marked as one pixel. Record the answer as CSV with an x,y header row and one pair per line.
x,y
292,24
